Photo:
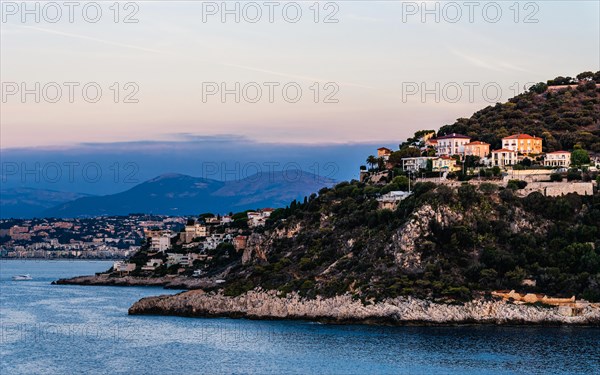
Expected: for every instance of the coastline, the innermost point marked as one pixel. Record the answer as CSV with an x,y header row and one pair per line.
x,y
166,282
266,305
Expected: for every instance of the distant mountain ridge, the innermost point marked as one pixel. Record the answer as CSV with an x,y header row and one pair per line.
x,y
178,194
28,202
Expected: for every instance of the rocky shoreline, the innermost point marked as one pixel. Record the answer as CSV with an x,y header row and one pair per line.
x,y
167,282
267,305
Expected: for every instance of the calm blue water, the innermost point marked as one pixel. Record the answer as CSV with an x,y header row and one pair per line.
x,y
51,329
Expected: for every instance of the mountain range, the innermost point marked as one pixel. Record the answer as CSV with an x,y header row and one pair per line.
x,y
29,202
178,194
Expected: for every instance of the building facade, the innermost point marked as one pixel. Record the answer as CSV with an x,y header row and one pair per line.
x,y
558,159
503,158
523,143
384,152
477,148
444,164
415,164
452,144
161,243
431,143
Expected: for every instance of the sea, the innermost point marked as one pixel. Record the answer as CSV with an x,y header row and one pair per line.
x,y
67,329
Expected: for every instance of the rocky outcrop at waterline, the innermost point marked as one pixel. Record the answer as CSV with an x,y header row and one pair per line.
x,y
168,282
259,304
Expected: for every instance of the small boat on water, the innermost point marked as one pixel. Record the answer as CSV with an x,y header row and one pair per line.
x,y
22,278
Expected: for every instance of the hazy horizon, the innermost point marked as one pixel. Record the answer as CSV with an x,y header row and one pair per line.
x,y
374,55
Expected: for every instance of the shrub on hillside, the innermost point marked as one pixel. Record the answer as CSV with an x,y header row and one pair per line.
x,y
573,175
516,184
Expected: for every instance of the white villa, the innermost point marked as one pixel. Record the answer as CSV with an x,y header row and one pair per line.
x,y
415,164
558,159
452,144
503,157
161,243
211,242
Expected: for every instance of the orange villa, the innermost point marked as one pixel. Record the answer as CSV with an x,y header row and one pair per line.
x,y
384,152
477,148
523,143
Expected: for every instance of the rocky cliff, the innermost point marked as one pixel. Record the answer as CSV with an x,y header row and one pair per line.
x,y
258,304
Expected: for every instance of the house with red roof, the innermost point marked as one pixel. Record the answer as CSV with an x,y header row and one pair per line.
x,y
384,152
523,143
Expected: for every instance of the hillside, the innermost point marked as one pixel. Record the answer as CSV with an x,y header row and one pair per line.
x,y
563,117
176,194
439,243
442,243
337,255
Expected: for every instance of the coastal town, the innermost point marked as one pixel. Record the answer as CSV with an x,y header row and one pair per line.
x,y
86,238
121,237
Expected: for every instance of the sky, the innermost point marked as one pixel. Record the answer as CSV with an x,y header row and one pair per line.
x,y
334,73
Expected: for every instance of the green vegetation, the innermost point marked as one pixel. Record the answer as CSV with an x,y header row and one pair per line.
x,y
579,157
495,242
516,184
564,118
